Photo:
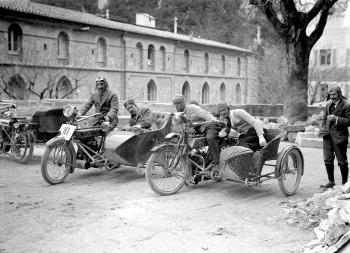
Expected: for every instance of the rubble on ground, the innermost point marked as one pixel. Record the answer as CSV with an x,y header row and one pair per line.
x,y
327,214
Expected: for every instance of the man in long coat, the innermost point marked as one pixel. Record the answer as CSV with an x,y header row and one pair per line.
x,y
336,121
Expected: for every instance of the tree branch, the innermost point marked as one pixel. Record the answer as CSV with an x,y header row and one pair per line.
x,y
317,33
267,7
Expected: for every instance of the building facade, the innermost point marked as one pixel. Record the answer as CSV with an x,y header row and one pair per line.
x,y
50,52
330,58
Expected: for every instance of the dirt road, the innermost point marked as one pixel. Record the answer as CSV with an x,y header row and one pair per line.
x,y
115,211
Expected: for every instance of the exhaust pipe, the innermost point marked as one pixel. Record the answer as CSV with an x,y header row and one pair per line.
x,y
82,164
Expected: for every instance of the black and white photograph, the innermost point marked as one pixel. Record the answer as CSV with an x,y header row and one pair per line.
x,y
174,126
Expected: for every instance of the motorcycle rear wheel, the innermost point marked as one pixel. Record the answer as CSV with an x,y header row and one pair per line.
x,y
56,163
166,171
22,146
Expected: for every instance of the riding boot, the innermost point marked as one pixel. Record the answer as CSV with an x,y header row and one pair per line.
x,y
330,172
344,173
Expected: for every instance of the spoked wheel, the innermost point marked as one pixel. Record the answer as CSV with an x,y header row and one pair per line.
x,y
166,171
56,163
289,168
22,146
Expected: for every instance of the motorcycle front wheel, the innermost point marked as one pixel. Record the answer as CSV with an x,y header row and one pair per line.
x,y
22,146
56,163
166,171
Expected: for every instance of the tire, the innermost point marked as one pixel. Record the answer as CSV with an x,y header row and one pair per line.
x,y
289,168
163,178
22,146
58,158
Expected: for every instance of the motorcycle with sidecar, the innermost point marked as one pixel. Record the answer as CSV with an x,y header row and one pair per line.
x,y
183,159
87,141
16,135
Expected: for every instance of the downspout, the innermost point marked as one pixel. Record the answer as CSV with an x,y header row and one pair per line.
x,y
123,67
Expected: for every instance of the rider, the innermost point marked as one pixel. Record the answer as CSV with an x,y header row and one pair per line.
x,y
105,101
139,116
196,113
251,131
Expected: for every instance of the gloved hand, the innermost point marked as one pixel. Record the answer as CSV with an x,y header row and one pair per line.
x,y
331,117
132,122
222,133
192,131
262,140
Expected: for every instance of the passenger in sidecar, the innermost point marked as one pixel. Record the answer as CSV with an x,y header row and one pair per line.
x,y
133,148
141,118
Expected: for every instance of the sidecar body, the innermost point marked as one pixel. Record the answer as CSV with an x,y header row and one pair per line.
x,y
46,124
130,148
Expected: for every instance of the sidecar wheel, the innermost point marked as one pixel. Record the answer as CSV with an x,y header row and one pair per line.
x,y
289,168
56,163
166,171
22,146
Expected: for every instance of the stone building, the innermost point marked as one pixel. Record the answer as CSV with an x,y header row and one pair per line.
x,y
50,52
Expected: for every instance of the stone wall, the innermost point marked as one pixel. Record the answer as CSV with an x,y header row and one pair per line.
x,y
28,107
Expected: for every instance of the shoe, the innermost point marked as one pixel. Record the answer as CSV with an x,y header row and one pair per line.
x,y
215,174
328,185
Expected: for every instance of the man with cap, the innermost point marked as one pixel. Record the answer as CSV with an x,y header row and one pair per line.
x,y
251,131
335,123
105,101
140,116
196,113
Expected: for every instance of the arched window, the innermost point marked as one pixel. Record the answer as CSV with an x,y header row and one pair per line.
x,y
206,63
205,93
150,57
223,64
17,87
151,91
64,88
186,91
102,52
238,66
238,94
222,97
187,61
139,55
63,48
15,38
163,58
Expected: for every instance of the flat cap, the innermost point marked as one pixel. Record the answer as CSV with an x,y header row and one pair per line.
x,y
178,98
222,106
335,88
129,102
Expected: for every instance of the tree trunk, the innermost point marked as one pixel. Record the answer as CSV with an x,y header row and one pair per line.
x,y
297,67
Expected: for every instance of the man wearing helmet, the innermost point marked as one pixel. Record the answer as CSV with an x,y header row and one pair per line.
x,y
105,101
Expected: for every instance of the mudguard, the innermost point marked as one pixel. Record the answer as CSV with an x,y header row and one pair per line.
x,y
52,142
281,156
161,146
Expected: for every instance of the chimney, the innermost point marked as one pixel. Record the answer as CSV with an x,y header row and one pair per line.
x,y
175,24
107,13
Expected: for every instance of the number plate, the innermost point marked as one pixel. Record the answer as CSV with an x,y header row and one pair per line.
x,y
67,131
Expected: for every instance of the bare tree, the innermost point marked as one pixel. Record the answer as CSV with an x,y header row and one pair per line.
x,y
19,80
291,24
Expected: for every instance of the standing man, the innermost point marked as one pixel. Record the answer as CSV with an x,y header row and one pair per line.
x,y
196,113
105,101
336,121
